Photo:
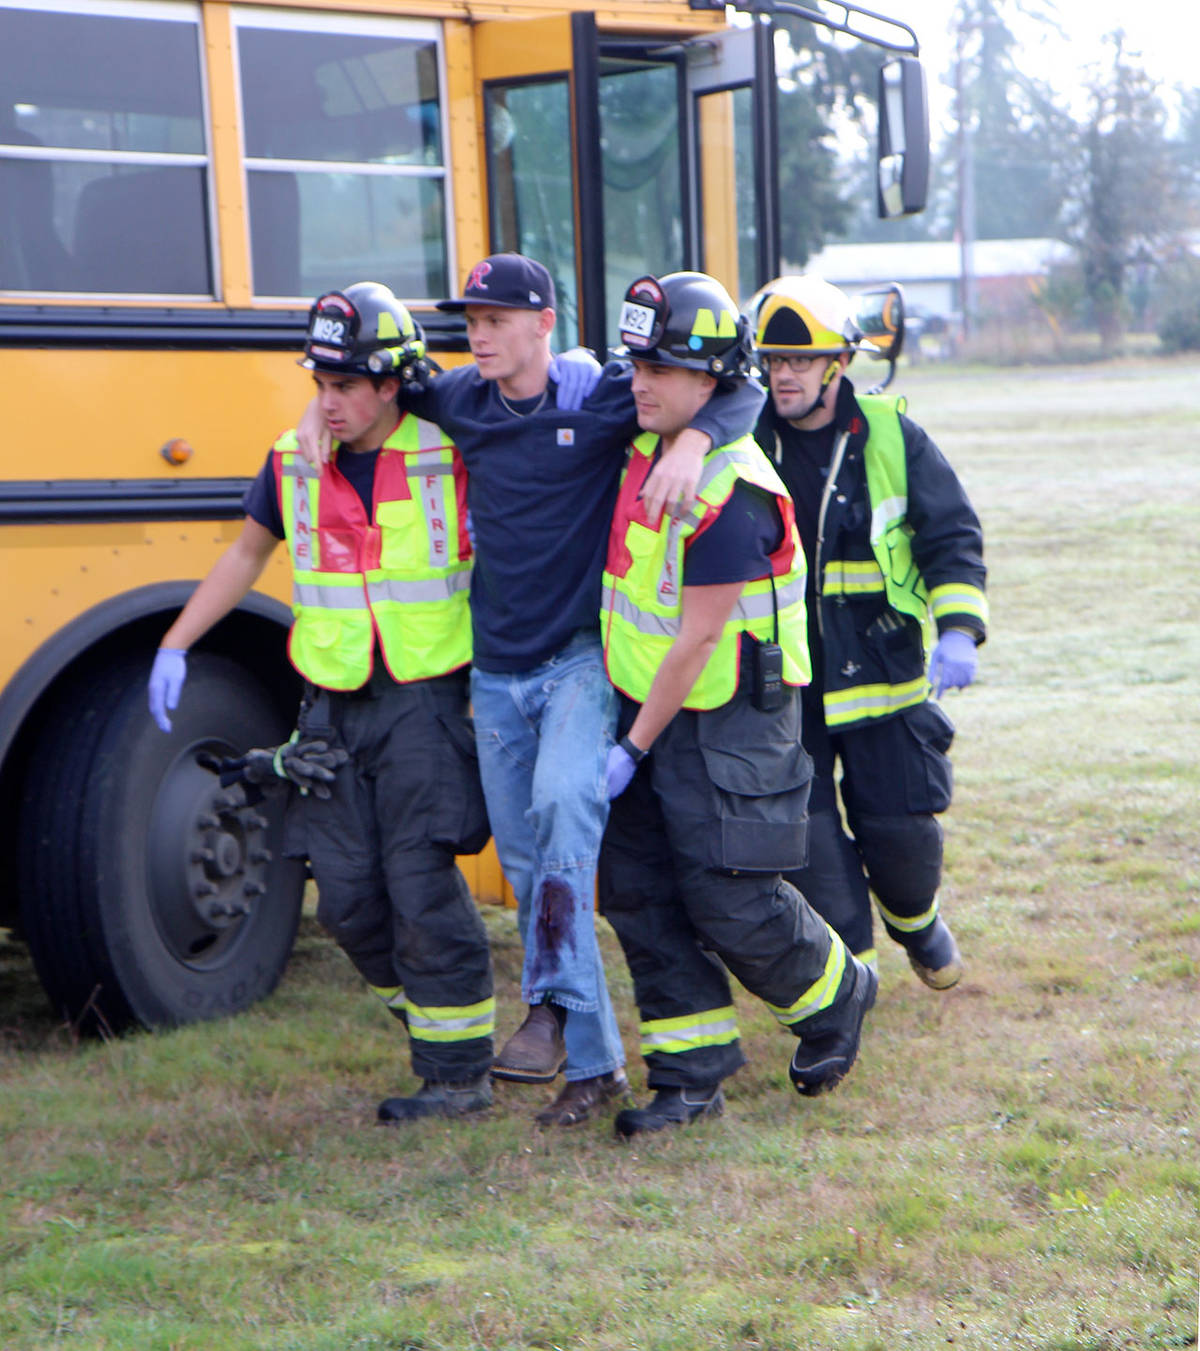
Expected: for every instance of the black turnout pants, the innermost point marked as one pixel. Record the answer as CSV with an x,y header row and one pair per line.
x,y
383,848
895,777
690,871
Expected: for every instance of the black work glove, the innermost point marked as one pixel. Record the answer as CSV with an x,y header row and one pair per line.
x,y
307,762
417,374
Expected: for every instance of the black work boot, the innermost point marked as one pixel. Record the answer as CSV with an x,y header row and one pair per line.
x,y
434,1098
671,1107
933,955
829,1040
536,1052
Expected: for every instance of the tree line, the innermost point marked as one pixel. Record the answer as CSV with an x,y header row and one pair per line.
x,y
1108,173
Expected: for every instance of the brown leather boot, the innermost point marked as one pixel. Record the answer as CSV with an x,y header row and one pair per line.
x,y
536,1052
575,1103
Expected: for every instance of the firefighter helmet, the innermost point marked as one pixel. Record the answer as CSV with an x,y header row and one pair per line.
x,y
363,330
686,319
806,314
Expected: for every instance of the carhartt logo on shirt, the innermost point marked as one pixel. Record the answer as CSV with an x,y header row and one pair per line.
x,y
566,436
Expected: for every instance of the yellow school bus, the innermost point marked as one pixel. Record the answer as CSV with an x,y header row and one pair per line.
x,y
178,178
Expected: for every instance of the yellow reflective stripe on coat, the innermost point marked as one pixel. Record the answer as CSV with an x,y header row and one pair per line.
x,y
909,924
822,992
392,996
958,598
450,1023
872,701
852,577
691,1032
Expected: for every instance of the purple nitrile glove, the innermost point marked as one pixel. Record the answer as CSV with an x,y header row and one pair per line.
x,y
952,666
166,683
619,770
575,374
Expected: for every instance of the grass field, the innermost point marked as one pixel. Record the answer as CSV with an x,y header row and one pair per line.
x,y
1013,1164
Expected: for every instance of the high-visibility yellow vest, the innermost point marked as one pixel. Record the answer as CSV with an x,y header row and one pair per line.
x,y
402,574
642,601
894,570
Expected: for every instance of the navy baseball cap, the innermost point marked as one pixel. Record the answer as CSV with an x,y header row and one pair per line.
x,y
509,280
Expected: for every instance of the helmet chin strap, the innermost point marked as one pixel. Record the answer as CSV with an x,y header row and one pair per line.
x,y
819,402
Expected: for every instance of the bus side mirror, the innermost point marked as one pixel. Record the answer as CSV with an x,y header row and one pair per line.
x,y
903,154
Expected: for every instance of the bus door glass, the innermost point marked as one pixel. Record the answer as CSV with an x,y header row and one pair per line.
x,y
731,144
645,226
526,69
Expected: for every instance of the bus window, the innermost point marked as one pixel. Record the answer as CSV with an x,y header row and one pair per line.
x,y
103,158
344,152
530,185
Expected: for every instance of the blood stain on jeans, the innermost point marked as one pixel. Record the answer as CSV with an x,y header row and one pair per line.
x,y
555,925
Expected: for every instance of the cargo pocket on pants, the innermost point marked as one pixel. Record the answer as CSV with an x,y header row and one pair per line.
x,y
460,816
761,775
929,775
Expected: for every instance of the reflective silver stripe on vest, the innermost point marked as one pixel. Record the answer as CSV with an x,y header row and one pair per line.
x,y
302,531
749,607
889,510
299,468
667,588
430,435
318,596
427,475
759,605
655,626
717,466
427,462
429,589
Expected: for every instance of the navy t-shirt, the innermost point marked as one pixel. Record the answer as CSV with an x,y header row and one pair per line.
x,y
542,484
737,547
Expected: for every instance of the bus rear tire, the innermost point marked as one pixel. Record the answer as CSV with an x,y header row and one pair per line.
x,y
147,896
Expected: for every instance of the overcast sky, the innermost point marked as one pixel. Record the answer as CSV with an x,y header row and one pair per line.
x,y
1166,34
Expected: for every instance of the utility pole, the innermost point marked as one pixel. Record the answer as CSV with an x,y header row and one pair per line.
x,y
966,183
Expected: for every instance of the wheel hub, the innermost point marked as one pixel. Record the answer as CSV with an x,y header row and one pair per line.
x,y
209,851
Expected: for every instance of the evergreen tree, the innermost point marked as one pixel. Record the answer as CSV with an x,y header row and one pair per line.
x,y
1124,203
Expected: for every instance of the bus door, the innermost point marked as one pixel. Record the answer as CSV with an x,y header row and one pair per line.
x,y
607,159
733,145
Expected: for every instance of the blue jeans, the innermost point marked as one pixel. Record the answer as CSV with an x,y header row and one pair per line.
x,y
543,738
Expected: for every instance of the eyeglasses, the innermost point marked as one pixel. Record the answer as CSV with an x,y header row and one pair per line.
x,y
776,361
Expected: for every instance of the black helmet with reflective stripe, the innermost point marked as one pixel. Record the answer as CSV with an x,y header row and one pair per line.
x,y
363,330
686,319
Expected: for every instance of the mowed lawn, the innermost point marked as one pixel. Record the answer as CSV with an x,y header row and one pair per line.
x,y
1014,1164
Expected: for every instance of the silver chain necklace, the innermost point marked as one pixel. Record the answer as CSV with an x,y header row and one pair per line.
x,y
528,412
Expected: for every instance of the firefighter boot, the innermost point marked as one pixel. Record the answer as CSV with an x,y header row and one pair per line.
x,y
670,1107
436,1098
933,955
829,1040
